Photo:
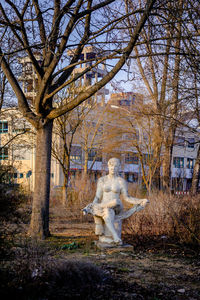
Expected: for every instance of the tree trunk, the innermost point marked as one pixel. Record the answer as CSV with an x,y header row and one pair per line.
x,y
166,172
196,171
66,182
156,178
167,158
166,178
86,163
64,192
39,226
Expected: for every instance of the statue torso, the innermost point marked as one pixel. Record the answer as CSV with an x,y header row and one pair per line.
x,y
111,188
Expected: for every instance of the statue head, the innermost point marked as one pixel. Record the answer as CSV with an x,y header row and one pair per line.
x,y
113,166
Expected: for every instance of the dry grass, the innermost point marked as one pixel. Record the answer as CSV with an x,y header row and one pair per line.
x,y
170,216
33,270
166,215
80,193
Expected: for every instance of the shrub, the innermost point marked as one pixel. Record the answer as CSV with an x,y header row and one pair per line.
x,y
81,191
166,215
34,274
14,214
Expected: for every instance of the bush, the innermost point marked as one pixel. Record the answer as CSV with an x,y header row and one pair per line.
x,y
81,191
34,274
14,214
170,216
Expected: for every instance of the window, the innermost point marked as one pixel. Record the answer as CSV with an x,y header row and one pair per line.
x,y
28,66
190,163
3,127
28,174
131,177
178,162
191,142
76,153
19,130
179,141
131,158
75,157
20,125
21,152
125,102
90,55
93,155
21,175
81,56
3,153
133,99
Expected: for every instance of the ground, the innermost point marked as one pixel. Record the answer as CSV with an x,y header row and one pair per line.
x,y
68,265
155,270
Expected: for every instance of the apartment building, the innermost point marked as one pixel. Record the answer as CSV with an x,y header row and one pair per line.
x,y
184,154
17,147
17,153
94,142
24,165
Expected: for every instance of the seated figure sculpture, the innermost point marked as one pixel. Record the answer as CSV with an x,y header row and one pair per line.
x,y
107,207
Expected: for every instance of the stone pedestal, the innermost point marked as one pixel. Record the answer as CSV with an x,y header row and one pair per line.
x,y
113,248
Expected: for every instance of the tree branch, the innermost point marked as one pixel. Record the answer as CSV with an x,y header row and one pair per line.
x,y
23,104
93,89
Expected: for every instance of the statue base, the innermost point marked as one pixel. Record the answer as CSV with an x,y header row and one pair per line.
x,y
112,247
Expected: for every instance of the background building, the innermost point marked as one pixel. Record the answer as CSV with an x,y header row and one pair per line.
x,y
103,133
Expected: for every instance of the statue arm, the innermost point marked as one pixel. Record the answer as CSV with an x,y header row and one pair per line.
x,y
129,199
99,191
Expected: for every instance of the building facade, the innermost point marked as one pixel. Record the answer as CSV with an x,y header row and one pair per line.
x,y
17,149
101,135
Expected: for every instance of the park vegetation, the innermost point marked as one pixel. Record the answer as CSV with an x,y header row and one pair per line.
x,y
159,39
32,268
46,32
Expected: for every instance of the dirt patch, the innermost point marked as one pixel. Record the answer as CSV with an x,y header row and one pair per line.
x,y
156,268
164,277
156,272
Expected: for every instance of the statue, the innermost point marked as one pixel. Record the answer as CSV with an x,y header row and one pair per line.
x,y
107,208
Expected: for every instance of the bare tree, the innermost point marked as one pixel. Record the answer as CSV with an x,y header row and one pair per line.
x,y
192,88
196,116
164,55
2,88
133,133
64,133
50,28
91,136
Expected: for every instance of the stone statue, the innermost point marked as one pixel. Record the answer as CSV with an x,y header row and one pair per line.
x,y
107,208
